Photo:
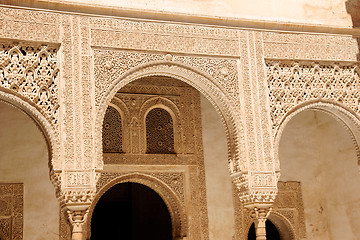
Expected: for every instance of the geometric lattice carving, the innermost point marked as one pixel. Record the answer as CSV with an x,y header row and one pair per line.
x,y
112,131
11,211
31,72
292,83
159,132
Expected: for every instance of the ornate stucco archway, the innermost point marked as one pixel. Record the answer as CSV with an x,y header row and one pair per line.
x,y
172,201
201,81
346,116
43,124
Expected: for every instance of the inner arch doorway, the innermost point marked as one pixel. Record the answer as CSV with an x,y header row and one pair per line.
x,y
131,211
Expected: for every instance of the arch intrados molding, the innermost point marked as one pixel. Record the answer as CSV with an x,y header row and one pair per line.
x,y
341,113
206,85
173,204
40,121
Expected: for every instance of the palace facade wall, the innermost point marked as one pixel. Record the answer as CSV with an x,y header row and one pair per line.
x,y
250,78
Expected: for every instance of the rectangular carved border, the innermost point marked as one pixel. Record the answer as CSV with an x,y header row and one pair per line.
x,y
11,210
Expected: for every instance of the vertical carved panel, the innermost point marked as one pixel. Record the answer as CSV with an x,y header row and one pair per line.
x,y
112,131
11,210
159,132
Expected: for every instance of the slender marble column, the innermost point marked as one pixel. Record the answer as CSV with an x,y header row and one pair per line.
x,y
260,216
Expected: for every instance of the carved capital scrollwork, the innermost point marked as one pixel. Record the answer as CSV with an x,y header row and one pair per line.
x,y
77,216
260,214
76,203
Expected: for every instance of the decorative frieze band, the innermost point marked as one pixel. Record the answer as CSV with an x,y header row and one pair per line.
x,y
327,47
166,37
29,25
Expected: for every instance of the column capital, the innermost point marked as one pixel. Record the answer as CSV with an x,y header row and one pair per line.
x,y
77,216
260,214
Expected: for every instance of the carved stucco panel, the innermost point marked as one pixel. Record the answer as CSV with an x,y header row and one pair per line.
x,y
76,93
253,88
291,83
29,25
31,71
11,210
310,46
155,36
29,79
111,65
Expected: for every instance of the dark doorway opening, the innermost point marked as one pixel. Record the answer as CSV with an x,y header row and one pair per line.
x,y
131,211
272,232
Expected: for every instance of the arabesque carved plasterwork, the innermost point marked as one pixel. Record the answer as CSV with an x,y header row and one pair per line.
x,y
11,210
292,83
164,37
29,25
32,72
305,46
111,64
289,204
181,172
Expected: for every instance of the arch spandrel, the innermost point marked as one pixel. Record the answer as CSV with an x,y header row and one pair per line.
x,y
29,79
326,86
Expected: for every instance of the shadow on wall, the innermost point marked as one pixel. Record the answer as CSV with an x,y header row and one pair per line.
x,y
353,8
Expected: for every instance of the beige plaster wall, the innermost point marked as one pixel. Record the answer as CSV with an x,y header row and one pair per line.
x,y
317,150
324,12
218,182
24,159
